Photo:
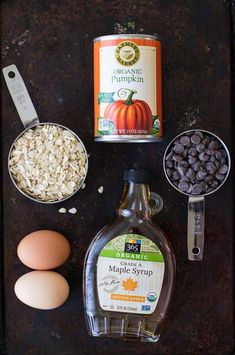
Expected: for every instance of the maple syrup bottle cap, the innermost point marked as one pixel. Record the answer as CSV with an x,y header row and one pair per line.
x,y
137,176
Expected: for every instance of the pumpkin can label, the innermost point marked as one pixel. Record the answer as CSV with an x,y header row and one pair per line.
x,y
127,94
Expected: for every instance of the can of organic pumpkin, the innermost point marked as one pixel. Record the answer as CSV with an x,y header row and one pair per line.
x,y
127,88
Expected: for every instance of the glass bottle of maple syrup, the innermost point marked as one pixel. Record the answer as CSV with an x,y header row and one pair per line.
x,y
129,268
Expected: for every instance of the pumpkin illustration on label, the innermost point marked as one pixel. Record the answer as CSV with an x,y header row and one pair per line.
x,y
130,116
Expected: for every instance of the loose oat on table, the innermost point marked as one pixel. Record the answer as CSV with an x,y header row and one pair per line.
x,y
101,189
48,163
73,210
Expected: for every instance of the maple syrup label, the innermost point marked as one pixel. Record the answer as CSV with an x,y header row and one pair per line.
x,y
130,271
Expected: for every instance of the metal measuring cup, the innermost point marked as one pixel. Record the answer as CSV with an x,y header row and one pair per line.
x,y
30,120
196,203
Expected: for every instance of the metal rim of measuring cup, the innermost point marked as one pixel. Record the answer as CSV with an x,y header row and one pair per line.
x,y
24,193
211,134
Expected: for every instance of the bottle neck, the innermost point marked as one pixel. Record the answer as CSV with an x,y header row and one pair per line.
x,y
135,200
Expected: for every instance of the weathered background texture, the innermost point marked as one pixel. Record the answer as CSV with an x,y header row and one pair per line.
x,y
51,43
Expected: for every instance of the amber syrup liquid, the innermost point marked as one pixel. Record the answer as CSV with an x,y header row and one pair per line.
x,y
133,217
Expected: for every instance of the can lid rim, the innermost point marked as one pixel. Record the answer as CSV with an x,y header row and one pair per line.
x,y
126,35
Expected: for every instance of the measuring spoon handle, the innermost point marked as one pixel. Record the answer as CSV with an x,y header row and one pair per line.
x,y
196,226
20,96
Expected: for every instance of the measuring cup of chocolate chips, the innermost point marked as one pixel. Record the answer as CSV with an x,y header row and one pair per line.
x,y
47,162
196,163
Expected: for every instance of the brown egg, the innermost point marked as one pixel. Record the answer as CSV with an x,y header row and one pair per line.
x,y
43,250
42,289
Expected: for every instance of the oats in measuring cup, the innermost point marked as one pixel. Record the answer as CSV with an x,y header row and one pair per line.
x,y
48,163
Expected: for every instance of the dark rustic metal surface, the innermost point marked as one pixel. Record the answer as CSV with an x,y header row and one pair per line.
x,y
51,43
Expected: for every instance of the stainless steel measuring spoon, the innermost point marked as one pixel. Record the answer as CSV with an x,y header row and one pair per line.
x,y
196,203
30,120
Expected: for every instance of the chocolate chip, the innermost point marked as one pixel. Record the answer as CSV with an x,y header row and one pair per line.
x,y
181,170
196,166
219,176
223,169
210,167
179,148
175,165
182,164
210,151
208,178
212,144
203,156
192,151
169,156
183,186
177,158
190,173
201,174
206,140
185,140
196,189
192,160
212,158
200,134
169,172
203,185
176,175
218,155
202,164
200,147
185,153
195,139
222,161
184,178
214,184
223,153
169,164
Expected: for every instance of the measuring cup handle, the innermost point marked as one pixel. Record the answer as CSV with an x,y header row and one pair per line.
x,y
20,96
196,225
158,202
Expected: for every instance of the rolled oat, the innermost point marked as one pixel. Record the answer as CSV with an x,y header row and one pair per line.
x,y
48,163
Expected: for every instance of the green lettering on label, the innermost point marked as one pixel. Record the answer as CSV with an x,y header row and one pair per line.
x,y
131,256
